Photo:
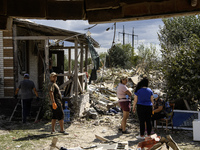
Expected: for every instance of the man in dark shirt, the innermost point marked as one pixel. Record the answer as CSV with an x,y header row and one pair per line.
x,y
26,87
56,104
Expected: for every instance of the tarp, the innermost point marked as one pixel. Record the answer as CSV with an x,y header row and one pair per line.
x,y
94,54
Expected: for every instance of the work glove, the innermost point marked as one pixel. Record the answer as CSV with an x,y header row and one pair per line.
x,y
15,96
37,98
54,105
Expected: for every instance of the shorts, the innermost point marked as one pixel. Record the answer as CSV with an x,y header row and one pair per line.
x,y
58,112
125,105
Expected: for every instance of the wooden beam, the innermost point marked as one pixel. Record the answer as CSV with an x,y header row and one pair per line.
x,y
81,66
46,46
39,37
69,60
86,63
64,47
65,10
26,8
76,71
3,7
15,60
104,15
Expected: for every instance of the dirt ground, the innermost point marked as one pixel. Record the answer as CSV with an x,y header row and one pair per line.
x,y
36,136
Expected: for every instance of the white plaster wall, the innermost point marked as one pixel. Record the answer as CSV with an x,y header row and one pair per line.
x,y
33,65
1,65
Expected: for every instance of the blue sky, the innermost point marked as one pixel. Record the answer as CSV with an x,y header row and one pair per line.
x,y
145,29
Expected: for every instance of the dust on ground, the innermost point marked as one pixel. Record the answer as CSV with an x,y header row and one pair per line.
x,y
36,136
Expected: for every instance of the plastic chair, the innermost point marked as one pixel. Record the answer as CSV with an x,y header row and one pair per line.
x,y
168,120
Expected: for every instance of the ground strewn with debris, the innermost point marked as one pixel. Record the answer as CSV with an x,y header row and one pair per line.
x,y
14,135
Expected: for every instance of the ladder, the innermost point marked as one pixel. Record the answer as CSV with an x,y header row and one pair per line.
x,y
19,102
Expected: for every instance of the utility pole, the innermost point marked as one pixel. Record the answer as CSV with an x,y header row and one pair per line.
x,y
123,33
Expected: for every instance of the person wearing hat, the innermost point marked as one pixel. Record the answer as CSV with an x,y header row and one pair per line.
x,y
158,107
124,94
26,87
56,104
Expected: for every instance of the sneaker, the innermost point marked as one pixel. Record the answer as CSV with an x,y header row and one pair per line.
x,y
63,132
140,137
120,129
126,132
53,132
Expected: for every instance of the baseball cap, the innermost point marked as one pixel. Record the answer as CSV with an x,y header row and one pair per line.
x,y
26,75
53,74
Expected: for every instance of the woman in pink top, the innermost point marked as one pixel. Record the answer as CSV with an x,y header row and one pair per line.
x,y
124,102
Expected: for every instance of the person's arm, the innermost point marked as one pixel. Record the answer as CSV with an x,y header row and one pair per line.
x,y
16,91
135,102
128,92
152,102
35,91
52,96
158,109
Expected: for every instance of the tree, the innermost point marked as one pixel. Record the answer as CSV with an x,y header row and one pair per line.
x,y
180,44
117,56
148,58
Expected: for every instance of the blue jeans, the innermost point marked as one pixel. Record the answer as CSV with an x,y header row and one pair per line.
x,y
26,108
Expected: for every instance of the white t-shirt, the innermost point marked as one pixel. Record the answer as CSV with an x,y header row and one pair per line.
x,y
121,89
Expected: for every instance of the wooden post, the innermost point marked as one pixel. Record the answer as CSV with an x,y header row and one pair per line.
x,y
69,60
86,62
76,71
15,56
81,66
46,46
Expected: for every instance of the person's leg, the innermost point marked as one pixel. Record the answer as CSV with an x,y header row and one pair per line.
x,y
53,124
148,119
140,112
61,122
124,120
24,110
28,105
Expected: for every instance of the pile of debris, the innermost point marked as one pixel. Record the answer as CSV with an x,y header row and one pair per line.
x,y
103,92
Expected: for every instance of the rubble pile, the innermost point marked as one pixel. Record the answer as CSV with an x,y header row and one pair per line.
x,y
103,93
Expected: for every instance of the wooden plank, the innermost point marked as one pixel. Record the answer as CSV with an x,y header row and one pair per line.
x,y
76,70
40,37
81,67
65,84
26,8
8,72
8,53
15,57
80,86
65,10
46,46
8,82
69,60
86,63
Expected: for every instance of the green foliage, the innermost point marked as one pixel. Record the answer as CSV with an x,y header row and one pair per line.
x,y
66,68
148,58
180,44
102,57
122,56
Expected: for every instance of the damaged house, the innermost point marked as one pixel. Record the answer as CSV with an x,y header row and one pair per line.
x,y
27,48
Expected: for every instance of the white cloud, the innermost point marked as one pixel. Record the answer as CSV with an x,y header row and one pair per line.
x,y
145,29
